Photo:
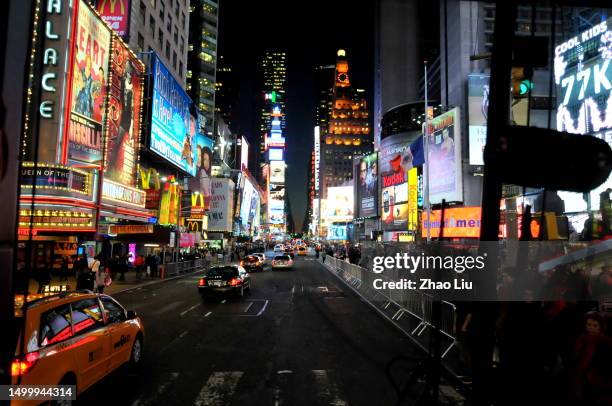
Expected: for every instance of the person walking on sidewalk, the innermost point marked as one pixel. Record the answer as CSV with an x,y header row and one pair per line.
x,y
98,271
64,269
139,264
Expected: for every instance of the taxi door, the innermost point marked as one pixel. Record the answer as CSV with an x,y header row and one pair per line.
x,y
92,341
122,333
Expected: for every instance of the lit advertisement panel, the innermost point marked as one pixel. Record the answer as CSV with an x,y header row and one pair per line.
x,y
583,76
275,154
337,232
201,182
317,158
277,192
340,203
478,108
460,222
444,156
123,118
221,206
92,41
116,13
395,159
276,204
244,154
248,195
173,128
277,172
368,186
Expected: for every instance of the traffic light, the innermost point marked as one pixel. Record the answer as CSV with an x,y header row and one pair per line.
x,y
522,83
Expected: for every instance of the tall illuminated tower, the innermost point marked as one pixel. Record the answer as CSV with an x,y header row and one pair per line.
x,y
348,133
274,173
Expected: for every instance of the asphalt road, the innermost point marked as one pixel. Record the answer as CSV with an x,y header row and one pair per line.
x,y
299,338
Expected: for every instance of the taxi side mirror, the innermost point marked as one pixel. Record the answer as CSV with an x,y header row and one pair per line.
x,y
131,315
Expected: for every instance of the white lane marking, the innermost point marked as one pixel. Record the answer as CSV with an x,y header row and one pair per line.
x,y
207,314
190,309
166,308
302,288
284,371
219,389
160,390
323,288
263,308
248,307
224,300
327,391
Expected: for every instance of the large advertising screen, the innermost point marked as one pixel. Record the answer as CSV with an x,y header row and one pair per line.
x,y
276,204
277,172
173,127
89,72
221,205
201,182
123,118
340,203
368,186
444,156
459,222
250,197
395,159
584,94
116,13
478,108
337,232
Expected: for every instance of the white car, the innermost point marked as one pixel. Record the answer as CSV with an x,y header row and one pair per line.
x,y
261,256
282,262
279,248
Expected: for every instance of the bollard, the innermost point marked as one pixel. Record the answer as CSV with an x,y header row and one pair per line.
x,y
162,272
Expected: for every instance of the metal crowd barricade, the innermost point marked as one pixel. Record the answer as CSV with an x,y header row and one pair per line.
x,y
416,303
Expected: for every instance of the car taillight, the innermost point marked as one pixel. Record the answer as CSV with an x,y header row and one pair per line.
x,y
23,365
234,282
202,282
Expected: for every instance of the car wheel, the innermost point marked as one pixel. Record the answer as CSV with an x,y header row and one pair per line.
x,y
136,354
66,380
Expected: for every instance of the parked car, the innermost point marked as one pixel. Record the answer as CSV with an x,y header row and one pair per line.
x,y
227,279
282,262
252,263
75,338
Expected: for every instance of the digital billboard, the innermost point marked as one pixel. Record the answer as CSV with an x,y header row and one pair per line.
x,y
221,205
275,154
395,159
116,13
340,203
444,157
204,158
89,73
124,112
459,222
584,94
337,232
277,172
244,153
173,128
250,197
277,192
368,186
478,108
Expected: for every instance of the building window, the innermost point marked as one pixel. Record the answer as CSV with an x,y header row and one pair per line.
x,y
176,35
161,11
152,23
182,45
169,23
174,60
160,36
181,68
140,42
152,3
143,11
168,50
182,20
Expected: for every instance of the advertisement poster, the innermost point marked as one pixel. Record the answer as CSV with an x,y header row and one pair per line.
x,y
174,130
478,108
116,13
444,156
248,195
221,205
123,118
459,222
170,204
92,41
395,159
337,232
413,199
277,192
340,203
583,77
277,172
368,186
201,182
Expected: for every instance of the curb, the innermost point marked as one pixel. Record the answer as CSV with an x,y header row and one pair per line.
x,y
155,282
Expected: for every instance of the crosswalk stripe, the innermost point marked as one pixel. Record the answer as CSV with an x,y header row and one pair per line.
x,y
327,391
219,389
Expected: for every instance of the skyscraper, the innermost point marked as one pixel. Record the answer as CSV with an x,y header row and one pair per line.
x,y
202,58
226,91
348,133
274,79
324,89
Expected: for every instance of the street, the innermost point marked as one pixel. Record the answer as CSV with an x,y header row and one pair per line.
x,y
300,338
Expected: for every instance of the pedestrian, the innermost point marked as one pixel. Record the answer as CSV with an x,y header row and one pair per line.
x,y
123,266
154,263
98,272
139,264
82,268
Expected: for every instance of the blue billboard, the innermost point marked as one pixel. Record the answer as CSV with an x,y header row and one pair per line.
x,y
174,129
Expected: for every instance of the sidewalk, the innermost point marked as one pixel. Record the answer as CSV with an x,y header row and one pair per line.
x,y
130,282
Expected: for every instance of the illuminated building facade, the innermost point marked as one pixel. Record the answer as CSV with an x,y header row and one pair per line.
x,y
348,132
274,79
202,58
274,174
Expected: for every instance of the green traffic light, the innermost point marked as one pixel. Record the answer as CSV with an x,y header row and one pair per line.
x,y
525,87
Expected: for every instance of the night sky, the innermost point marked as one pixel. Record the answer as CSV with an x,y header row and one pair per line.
x,y
311,33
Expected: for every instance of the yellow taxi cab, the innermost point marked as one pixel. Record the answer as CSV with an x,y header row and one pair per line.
x,y
302,250
74,338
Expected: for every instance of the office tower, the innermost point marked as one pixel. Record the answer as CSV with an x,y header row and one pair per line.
x,y
273,67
